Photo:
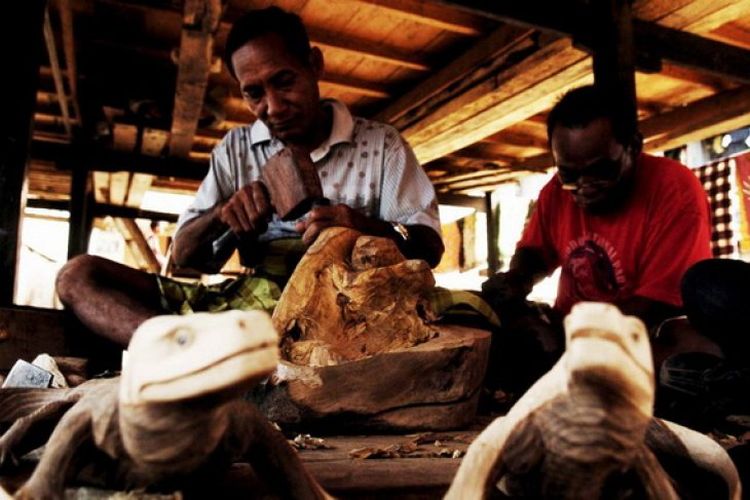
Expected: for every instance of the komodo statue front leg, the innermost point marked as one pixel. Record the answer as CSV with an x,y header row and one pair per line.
x,y
90,423
31,431
274,461
48,480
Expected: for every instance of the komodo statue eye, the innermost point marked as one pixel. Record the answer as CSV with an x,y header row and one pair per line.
x,y
182,336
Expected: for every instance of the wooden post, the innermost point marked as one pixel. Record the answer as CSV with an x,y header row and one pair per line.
x,y
493,217
614,55
80,218
22,45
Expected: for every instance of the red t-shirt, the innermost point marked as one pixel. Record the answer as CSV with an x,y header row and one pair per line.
x,y
642,249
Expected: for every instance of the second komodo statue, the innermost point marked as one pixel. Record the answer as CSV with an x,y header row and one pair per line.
x,y
585,429
174,418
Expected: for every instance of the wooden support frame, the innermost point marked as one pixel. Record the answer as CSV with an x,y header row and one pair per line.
x,y
614,57
493,217
652,41
27,20
81,219
107,160
200,21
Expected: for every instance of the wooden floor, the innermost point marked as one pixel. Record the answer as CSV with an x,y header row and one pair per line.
x,y
422,468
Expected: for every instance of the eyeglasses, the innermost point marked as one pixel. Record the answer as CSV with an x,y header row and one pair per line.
x,y
606,169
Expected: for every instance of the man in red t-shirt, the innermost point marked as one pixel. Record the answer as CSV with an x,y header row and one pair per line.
x,y
623,226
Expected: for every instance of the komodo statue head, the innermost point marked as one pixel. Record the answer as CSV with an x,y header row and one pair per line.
x,y
610,351
172,358
586,430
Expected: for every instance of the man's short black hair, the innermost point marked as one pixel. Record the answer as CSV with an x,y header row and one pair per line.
x,y
581,106
256,23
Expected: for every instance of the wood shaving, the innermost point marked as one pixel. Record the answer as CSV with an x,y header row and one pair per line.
x,y
308,442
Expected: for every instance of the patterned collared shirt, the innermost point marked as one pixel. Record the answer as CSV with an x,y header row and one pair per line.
x,y
363,164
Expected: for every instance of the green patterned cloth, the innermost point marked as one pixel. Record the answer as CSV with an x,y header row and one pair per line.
x,y
457,303
244,293
263,289
251,292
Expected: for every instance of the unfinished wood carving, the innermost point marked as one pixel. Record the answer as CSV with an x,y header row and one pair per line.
x,y
585,429
360,352
352,296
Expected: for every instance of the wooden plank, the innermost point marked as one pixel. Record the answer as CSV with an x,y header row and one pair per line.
x,y
118,187
693,51
703,16
493,89
704,118
338,83
141,245
652,40
54,62
429,13
101,186
105,209
22,25
531,86
139,184
125,137
200,21
26,332
461,73
107,160
80,215
71,68
154,141
366,49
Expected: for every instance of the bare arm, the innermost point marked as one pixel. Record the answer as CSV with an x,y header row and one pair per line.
x,y
422,241
246,213
527,268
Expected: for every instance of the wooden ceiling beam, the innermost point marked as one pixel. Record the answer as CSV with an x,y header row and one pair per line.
x,y
68,38
54,62
698,120
471,67
517,139
531,86
347,84
690,75
701,16
431,14
366,49
108,160
200,21
651,40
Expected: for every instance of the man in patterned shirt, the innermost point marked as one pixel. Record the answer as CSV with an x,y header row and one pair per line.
x,y
368,172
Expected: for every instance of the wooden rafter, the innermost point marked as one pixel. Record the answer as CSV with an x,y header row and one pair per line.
x,y
200,20
430,13
652,40
700,119
366,49
54,62
521,91
348,84
107,160
469,68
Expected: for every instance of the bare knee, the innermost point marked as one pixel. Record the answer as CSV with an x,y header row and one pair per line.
x,y
77,274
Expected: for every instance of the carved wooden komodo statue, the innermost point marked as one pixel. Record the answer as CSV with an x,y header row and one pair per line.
x,y
585,429
352,296
174,418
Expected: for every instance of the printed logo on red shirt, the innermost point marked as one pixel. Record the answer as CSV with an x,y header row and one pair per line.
x,y
591,270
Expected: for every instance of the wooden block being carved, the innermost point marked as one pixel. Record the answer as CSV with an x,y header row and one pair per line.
x,y
432,386
359,346
292,183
